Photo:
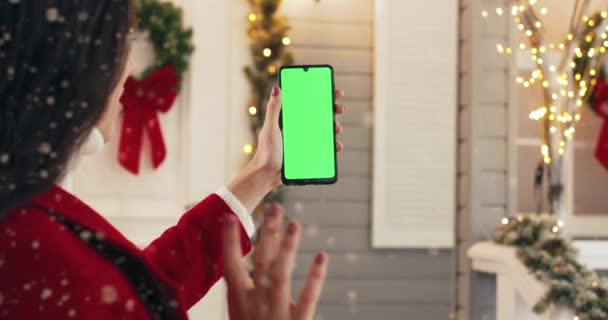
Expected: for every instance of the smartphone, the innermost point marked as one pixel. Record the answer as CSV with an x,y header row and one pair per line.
x,y
307,122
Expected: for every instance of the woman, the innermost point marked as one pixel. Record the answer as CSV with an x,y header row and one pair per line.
x,y
61,66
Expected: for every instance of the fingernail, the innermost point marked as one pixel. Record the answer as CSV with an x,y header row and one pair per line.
x,y
320,258
292,227
275,91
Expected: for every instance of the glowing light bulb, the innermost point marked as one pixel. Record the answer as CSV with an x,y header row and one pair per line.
x,y
253,110
252,17
499,11
484,14
500,48
543,11
267,52
286,41
505,220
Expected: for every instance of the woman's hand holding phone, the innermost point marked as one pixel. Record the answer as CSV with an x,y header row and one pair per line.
x,y
263,173
266,294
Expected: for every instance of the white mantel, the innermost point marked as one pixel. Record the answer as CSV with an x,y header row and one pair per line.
x,y
517,291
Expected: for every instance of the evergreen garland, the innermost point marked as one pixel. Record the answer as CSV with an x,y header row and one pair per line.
x,y
172,42
268,44
552,259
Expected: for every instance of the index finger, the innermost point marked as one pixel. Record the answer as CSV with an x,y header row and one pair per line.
x,y
236,275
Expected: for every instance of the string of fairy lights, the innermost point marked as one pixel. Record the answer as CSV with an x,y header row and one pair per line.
x,y
269,41
566,84
565,72
269,46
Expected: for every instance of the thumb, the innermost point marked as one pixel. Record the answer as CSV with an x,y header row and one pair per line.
x,y
273,109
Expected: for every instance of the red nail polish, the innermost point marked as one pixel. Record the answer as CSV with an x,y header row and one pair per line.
x,y
275,91
292,227
320,258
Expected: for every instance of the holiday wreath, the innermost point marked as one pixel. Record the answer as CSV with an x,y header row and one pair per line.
x,y
157,87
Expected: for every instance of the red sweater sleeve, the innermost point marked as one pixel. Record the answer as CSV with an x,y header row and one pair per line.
x,y
190,253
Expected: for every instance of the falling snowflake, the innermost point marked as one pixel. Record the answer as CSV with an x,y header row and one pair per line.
x,y
109,295
352,257
44,174
4,158
83,16
46,293
352,295
44,148
52,14
71,313
173,304
64,298
86,235
130,305
298,207
50,100
10,71
312,231
64,282
27,287
35,245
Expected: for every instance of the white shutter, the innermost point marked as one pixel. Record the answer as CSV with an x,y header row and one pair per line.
x,y
415,123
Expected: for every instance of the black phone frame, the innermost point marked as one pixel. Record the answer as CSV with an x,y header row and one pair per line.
x,y
312,181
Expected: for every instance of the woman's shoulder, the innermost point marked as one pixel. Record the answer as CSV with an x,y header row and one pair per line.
x,y
45,269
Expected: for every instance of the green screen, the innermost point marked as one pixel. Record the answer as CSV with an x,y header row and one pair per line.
x,y
308,123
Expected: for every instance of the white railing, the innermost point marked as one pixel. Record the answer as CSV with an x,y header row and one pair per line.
x,y
517,291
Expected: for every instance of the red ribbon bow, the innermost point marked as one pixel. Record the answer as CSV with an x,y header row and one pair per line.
x,y
142,100
600,104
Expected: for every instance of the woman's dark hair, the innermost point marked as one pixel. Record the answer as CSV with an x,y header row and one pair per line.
x,y
60,60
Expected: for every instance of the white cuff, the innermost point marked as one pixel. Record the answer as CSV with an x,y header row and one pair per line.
x,y
238,208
